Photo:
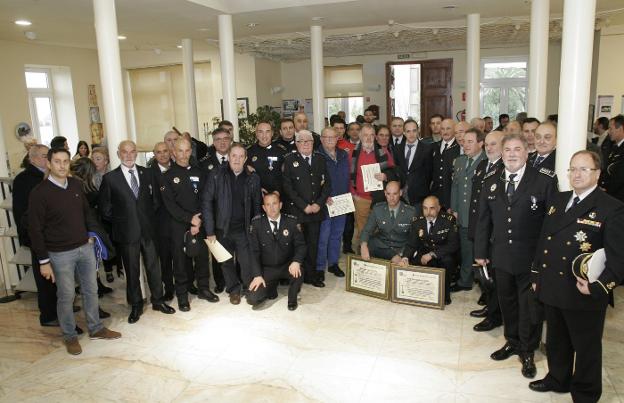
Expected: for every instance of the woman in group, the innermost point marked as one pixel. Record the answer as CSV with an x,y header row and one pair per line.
x,y
82,150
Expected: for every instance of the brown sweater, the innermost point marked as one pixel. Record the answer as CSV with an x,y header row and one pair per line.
x,y
56,218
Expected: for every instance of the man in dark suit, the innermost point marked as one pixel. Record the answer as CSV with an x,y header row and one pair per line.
x,y
265,158
612,180
23,183
230,199
307,187
396,129
443,154
278,249
128,202
579,221
545,142
414,160
511,212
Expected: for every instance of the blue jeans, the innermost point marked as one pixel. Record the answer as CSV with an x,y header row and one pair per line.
x,y
67,266
329,241
466,272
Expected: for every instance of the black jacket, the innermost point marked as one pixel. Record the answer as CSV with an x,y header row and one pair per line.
x,y
417,176
216,203
443,240
132,219
163,219
442,171
181,190
305,184
477,185
267,163
23,183
548,162
612,180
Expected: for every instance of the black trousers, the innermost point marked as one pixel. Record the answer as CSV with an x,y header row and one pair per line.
x,y
217,273
271,276
513,295
185,269
46,294
570,333
131,258
237,243
165,255
347,235
493,306
311,233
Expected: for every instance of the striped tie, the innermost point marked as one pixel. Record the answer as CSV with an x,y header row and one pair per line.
x,y
134,184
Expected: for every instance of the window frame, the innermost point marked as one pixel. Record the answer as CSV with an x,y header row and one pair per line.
x,y
503,83
41,93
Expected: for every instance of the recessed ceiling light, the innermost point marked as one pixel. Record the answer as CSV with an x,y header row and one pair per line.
x,y
23,23
121,37
204,29
179,46
252,25
318,18
449,7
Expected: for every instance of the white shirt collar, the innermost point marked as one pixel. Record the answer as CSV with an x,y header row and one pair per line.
x,y
620,142
278,219
163,168
221,156
126,170
584,194
59,184
519,174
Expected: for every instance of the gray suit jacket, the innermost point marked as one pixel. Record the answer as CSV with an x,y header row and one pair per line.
x,y
461,189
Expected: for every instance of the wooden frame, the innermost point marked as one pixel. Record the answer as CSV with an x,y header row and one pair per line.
x,y
410,274
375,264
242,105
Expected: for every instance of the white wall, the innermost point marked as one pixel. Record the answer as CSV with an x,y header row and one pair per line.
x,y
268,75
610,79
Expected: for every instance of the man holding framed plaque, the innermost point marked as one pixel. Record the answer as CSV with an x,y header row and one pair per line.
x,y
578,223
433,241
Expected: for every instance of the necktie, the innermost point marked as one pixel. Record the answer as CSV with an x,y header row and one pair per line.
x,y
392,214
489,165
445,147
308,160
538,160
409,154
470,161
575,201
430,227
274,224
223,160
134,184
396,142
511,186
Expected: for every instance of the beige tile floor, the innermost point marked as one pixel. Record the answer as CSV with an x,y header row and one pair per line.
x,y
337,346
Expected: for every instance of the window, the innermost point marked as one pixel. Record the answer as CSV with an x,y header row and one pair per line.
x,y
504,85
41,102
352,106
344,90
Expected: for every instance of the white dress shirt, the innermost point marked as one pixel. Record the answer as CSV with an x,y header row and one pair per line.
x,y
126,173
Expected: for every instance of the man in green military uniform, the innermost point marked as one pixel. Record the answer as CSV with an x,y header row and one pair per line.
x,y
433,241
385,234
464,169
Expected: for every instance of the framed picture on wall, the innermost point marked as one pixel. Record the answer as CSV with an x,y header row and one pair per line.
x,y
242,105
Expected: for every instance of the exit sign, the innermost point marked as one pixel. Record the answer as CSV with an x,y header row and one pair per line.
x,y
403,56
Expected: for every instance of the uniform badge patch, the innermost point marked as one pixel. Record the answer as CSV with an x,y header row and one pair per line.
x,y
585,247
551,210
493,187
255,158
296,164
533,203
580,236
176,180
592,215
285,232
210,166
421,233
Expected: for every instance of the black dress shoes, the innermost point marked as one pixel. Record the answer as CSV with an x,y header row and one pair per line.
x,y
482,300
318,283
479,313
52,323
103,314
208,296
544,386
505,352
79,330
336,271
486,325
447,300
184,306
292,306
528,366
235,299
135,314
164,308
193,290
458,287
219,289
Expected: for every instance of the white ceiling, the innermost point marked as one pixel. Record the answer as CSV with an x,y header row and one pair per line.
x,y
351,26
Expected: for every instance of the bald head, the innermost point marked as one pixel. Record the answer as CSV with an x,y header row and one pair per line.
x,y
431,207
493,145
447,129
460,131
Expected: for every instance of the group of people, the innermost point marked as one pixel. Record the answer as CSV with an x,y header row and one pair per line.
x,y
459,196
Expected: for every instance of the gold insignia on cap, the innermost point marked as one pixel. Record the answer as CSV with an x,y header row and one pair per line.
x,y
493,187
592,215
296,164
255,158
285,232
551,210
585,247
580,236
176,180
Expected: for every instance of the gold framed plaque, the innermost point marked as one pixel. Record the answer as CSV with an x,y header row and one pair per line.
x,y
418,285
368,277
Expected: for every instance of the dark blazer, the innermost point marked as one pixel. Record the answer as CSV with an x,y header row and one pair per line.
x,y
418,175
217,200
477,185
443,240
596,222
612,180
513,227
548,162
163,219
200,148
442,171
131,219
23,183
305,184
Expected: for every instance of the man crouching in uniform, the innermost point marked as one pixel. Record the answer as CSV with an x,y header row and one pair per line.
x,y
278,250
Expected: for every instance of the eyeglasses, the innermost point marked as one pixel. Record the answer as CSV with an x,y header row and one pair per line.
x,y
305,141
583,170
222,139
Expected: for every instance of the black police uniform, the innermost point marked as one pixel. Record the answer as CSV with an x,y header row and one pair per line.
x,y
181,189
575,321
288,145
442,171
307,183
507,232
273,251
164,245
267,163
548,162
442,239
612,180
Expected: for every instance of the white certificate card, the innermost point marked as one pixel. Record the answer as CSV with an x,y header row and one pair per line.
x,y
341,204
368,175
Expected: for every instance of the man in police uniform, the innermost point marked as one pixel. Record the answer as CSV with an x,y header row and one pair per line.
x,y
266,159
181,189
278,249
433,241
444,153
491,166
545,142
386,232
464,169
307,187
286,136
612,181
579,221
511,212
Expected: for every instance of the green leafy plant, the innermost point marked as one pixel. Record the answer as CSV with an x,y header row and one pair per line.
x,y
247,127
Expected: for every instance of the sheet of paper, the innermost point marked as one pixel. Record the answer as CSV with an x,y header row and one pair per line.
x,y
218,251
368,175
342,204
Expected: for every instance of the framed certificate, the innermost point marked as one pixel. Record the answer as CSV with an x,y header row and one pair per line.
x,y
368,277
418,285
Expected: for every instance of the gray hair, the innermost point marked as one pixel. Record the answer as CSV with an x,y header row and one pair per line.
x,y
304,135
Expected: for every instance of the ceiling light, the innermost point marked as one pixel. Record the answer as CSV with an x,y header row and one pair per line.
x,y
179,46
318,19
121,37
435,31
204,29
252,25
23,23
391,22
396,34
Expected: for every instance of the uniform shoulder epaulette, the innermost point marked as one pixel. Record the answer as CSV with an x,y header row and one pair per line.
x,y
205,157
290,155
410,207
256,218
487,175
280,145
548,172
290,216
421,217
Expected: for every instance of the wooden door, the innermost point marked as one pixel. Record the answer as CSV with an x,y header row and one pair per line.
x,y
436,90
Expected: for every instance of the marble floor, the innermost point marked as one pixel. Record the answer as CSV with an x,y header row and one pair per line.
x,y
337,346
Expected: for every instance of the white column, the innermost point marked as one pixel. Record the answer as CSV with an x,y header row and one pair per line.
x,y
538,58
189,87
115,128
129,107
576,62
318,86
473,63
228,74
4,156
